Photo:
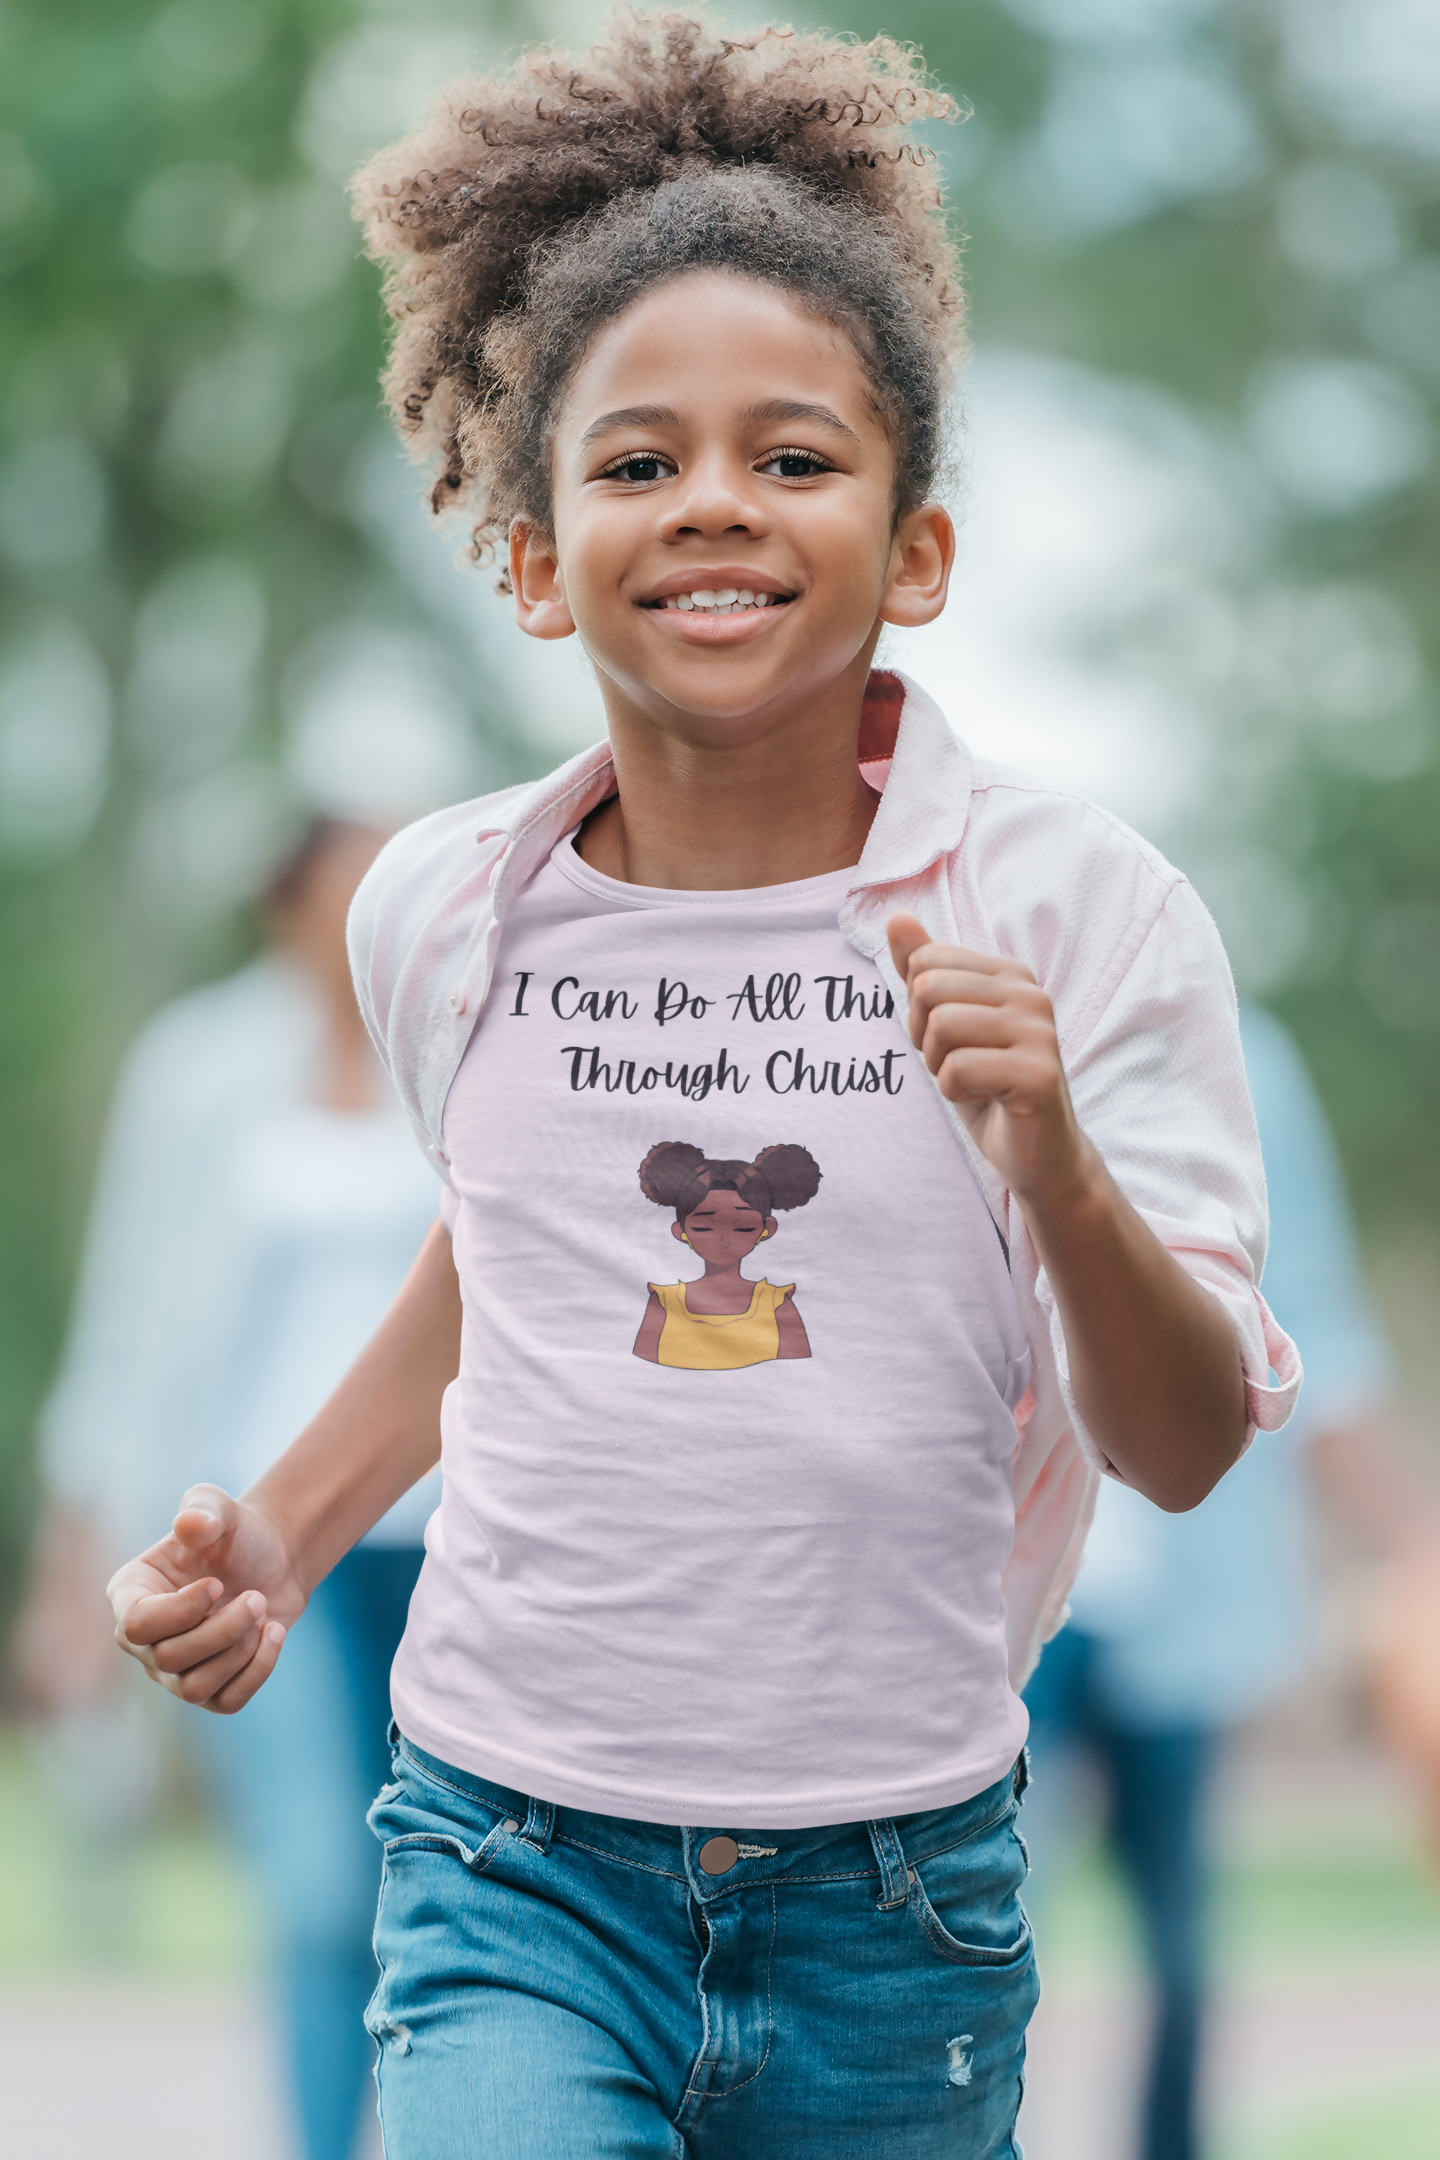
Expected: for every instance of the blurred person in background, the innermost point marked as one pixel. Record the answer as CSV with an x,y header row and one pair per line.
x,y
259,1202
1182,1625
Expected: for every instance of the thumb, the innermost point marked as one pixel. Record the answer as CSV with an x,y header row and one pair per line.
x,y
906,934
204,1516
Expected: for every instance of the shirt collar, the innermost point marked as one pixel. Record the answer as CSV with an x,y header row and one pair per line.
x,y
907,749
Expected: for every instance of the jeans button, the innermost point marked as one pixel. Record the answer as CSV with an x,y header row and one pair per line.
x,y
718,1855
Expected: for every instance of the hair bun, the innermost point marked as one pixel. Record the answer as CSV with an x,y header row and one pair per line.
x,y
792,1174
665,1169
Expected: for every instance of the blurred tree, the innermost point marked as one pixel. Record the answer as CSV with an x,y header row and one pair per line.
x,y
188,352
1238,203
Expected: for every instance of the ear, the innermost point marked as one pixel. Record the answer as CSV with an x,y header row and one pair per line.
x,y
541,608
771,1226
922,556
677,1230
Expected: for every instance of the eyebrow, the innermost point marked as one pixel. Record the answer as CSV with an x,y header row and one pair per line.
x,y
796,409
631,416
665,416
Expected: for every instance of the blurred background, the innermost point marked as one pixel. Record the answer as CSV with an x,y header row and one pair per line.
x,y
1201,537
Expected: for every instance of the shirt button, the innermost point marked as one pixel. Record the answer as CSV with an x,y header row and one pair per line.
x,y
718,1855
457,1001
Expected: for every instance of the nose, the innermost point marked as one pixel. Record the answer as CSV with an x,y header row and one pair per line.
x,y
720,496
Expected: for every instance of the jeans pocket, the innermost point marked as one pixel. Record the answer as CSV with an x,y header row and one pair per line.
x,y
967,1900
475,1857
417,1814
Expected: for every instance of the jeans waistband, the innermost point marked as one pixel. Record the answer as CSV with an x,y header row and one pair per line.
x,y
884,1847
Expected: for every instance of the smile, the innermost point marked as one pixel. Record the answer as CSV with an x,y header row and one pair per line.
x,y
731,600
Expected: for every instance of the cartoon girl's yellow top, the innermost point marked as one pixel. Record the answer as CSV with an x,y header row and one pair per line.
x,y
720,1342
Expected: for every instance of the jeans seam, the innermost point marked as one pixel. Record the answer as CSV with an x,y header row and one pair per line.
x,y
772,1882
422,1770
730,2090
451,1846
602,1852
754,1882
702,2058
1011,1807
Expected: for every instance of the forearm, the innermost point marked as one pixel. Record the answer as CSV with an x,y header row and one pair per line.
x,y
1154,1364
379,1432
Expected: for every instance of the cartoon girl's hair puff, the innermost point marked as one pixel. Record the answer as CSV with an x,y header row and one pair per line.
x,y
677,1175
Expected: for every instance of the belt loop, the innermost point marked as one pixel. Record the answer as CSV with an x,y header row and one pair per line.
x,y
539,1825
894,1875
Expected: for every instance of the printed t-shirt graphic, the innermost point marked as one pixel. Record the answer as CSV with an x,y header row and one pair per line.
x,y
722,1535
724,1209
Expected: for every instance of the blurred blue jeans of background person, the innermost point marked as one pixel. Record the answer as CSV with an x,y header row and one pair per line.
x,y
292,1779
1182,1625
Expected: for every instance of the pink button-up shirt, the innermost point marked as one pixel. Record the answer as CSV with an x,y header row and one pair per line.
x,y
1117,938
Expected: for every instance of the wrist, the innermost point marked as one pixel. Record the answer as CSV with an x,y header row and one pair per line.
x,y
1071,1201
284,1532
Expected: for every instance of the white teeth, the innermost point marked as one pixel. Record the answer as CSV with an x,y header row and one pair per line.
x,y
719,603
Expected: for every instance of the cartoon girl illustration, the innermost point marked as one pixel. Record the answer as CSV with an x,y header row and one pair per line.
x,y
723,1210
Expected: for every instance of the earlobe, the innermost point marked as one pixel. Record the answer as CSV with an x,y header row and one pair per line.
x,y
920,564
541,609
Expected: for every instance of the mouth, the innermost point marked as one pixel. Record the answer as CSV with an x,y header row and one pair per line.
x,y
719,593
729,601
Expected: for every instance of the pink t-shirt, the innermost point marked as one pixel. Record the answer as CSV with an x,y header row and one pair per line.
x,y
727,1464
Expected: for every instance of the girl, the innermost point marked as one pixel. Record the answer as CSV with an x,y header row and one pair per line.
x,y
723,1210
707,1747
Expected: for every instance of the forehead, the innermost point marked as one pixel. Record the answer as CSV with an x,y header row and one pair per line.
x,y
724,1198
712,342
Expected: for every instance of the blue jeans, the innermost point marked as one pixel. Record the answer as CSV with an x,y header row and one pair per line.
x,y
1157,1781
554,1982
318,1727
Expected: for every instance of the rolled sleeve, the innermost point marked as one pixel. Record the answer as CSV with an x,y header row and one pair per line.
x,y
1159,1086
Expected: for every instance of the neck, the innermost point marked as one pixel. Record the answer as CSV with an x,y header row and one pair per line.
x,y
778,799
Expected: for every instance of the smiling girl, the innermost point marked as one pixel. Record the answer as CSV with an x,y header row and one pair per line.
x,y
707,1746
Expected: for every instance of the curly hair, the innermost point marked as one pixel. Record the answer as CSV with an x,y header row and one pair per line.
x,y
529,211
674,1174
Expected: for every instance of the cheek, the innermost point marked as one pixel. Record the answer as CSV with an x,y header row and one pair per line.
x,y
593,538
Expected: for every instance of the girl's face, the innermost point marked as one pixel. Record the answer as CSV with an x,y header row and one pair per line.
x,y
723,1229
718,439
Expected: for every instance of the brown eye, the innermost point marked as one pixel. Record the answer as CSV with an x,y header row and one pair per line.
x,y
794,464
642,468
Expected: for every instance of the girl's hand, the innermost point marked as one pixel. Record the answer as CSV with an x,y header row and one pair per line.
x,y
206,1609
986,1030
